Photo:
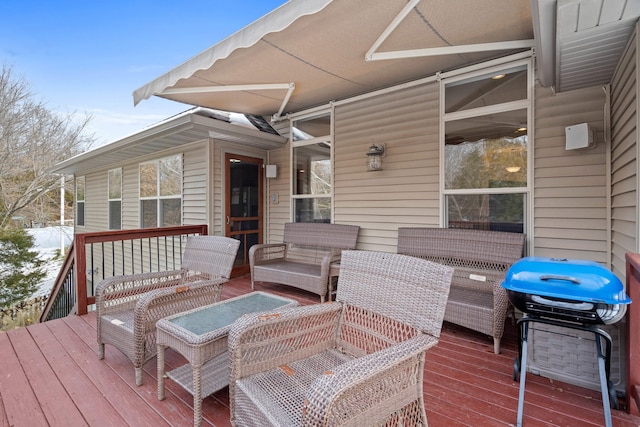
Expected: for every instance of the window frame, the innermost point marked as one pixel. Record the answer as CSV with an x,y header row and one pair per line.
x,y
111,200
81,202
158,197
324,112
522,104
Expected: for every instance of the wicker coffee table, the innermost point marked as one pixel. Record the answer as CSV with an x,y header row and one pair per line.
x,y
200,335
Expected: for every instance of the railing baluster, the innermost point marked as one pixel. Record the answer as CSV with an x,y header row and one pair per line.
x,y
70,289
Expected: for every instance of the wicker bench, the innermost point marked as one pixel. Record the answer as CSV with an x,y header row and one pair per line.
x,y
481,258
304,257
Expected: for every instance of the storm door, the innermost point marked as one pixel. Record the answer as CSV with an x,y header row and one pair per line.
x,y
243,206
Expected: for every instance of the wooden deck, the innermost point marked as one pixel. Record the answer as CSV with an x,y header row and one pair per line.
x,y
50,375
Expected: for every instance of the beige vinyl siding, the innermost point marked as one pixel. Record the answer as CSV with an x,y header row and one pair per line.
x,y
278,212
624,157
406,191
195,184
130,197
96,209
570,186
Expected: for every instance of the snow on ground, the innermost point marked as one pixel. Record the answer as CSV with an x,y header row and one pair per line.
x,y
48,242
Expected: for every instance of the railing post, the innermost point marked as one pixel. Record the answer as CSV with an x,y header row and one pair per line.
x,y
633,333
81,273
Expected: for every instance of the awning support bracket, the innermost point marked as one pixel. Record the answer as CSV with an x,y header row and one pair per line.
x,y
373,55
289,87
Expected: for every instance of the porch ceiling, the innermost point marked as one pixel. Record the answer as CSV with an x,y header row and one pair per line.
x,y
580,41
185,128
334,49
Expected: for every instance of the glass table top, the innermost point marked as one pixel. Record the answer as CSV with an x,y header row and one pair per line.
x,y
226,312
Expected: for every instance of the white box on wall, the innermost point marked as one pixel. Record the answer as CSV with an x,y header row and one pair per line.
x,y
579,136
271,171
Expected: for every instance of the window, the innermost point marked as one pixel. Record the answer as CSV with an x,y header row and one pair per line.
x,y
486,149
161,193
312,169
115,199
80,186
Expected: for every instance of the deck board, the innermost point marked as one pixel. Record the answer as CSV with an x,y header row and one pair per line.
x,y
50,374
57,406
18,398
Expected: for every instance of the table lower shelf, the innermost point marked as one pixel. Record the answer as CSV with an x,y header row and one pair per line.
x,y
215,375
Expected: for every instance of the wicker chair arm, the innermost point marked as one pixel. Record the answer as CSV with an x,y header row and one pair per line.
x,y
266,251
262,341
159,303
121,292
362,390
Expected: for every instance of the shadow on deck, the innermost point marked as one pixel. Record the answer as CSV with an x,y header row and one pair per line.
x,y
50,374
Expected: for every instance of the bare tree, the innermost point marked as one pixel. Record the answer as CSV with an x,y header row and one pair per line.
x,y
32,140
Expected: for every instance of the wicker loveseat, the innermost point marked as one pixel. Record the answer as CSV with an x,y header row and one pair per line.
x,y
481,258
304,257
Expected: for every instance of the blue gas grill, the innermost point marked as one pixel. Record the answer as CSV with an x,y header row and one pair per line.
x,y
575,294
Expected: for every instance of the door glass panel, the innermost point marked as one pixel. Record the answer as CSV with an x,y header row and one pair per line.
x,y
244,211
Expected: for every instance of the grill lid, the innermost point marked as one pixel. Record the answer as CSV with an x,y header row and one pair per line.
x,y
578,280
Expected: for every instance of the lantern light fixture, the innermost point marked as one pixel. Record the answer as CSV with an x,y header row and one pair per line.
x,y
374,157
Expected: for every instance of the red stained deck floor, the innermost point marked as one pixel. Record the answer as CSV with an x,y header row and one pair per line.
x,y
50,374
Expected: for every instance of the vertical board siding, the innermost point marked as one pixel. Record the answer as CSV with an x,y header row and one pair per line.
x,y
624,161
570,186
406,191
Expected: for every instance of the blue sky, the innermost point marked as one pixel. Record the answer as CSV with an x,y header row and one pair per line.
x,y
89,56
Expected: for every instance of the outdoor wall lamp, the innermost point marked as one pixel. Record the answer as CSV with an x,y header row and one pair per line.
x,y
374,157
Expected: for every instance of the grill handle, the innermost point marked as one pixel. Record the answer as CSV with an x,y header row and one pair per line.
x,y
556,277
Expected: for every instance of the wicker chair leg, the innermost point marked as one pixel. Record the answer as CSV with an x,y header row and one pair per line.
x,y
101,351
138,376
496,345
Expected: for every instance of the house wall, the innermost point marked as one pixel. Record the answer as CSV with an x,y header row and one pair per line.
x,y
194,198
624,156
278,211
570,188
570,197
406,191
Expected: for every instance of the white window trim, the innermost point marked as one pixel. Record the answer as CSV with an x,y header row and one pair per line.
x,y
83,201
507,106
309,114
158,197
109,199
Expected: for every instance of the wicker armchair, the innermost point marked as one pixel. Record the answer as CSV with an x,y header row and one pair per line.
x,y
127,307
357,361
